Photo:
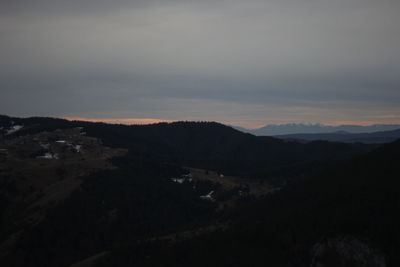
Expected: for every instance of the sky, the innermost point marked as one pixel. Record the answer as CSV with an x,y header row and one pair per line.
x,y
247,63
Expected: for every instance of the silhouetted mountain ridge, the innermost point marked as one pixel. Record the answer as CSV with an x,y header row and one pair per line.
x,y
208,145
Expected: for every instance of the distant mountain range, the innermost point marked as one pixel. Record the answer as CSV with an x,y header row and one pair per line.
x,y
300,128
345,137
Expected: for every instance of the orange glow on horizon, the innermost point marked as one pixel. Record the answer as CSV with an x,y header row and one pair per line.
x,y
127,121
245,124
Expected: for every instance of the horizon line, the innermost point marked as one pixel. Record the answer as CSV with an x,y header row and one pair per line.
x,y
145,121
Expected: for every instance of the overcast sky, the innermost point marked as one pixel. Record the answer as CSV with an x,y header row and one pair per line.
x,y
248,63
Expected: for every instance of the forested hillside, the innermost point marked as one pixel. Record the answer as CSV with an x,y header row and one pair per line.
x,y
191,194
344,216
210,145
